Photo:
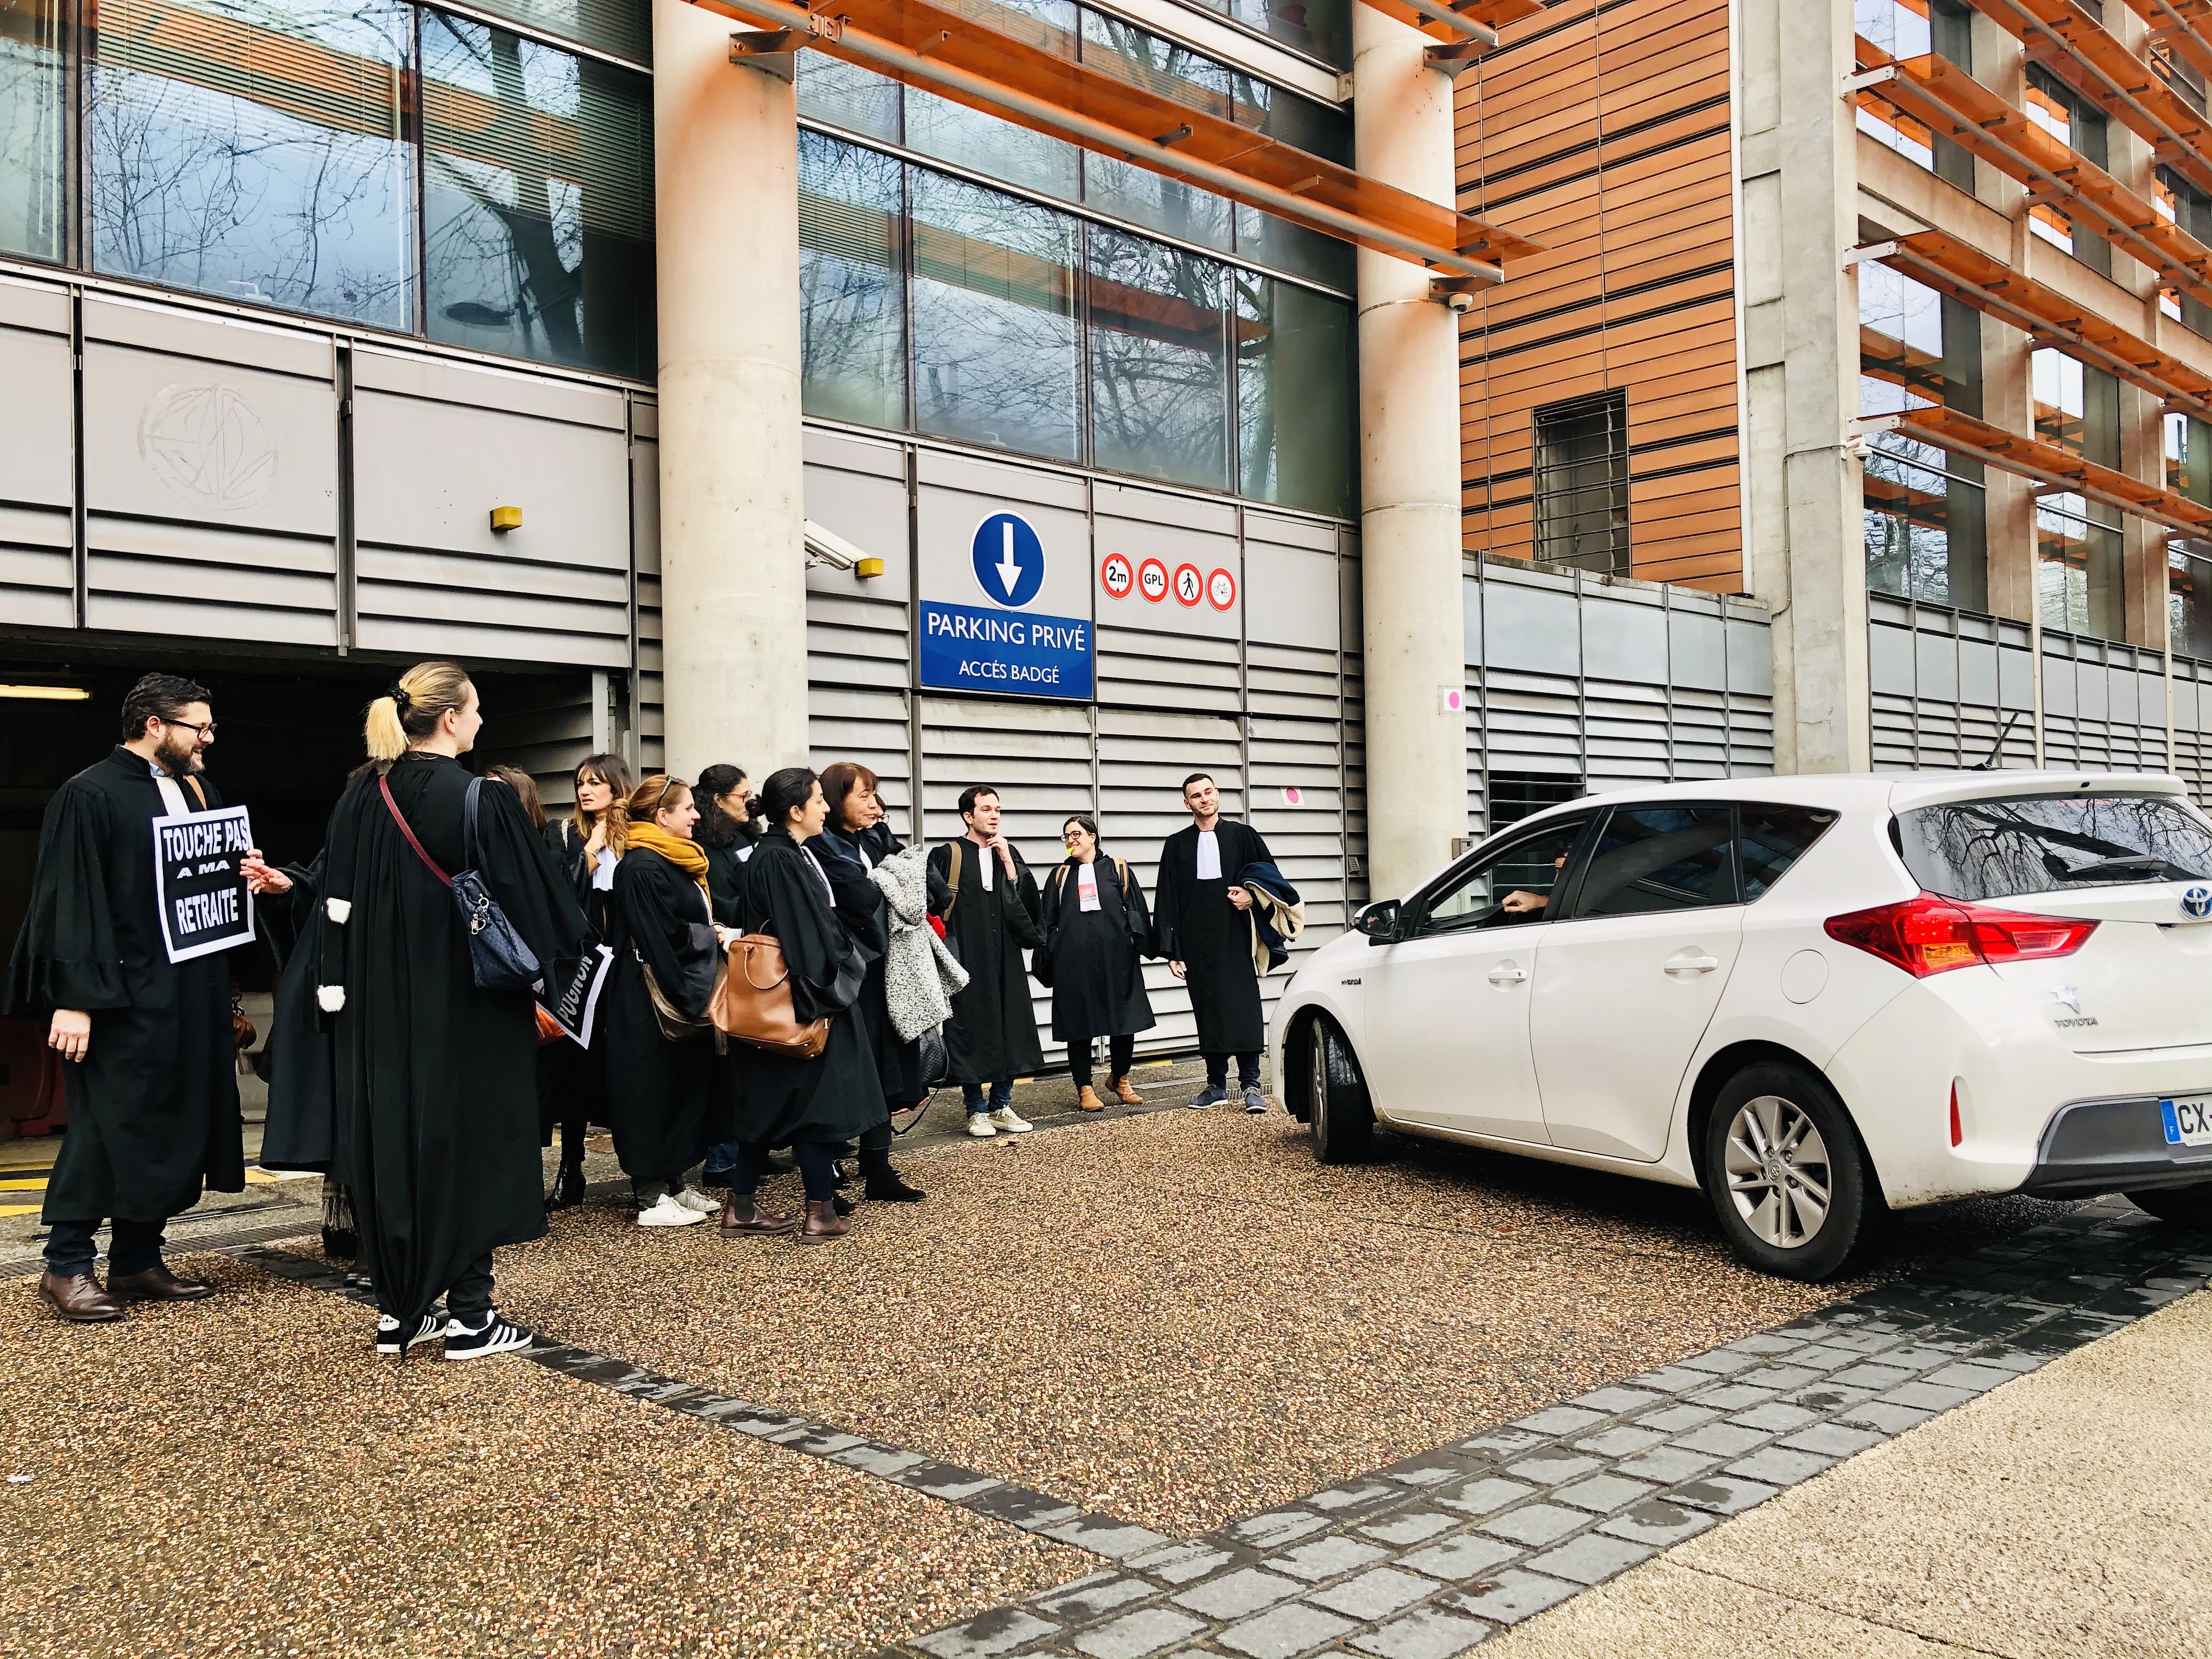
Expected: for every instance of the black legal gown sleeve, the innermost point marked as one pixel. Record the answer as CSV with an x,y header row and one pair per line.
x,y
520,871
66,955
826,968
1134,909
859,902
664,915
301,1128
1178,868
1022,915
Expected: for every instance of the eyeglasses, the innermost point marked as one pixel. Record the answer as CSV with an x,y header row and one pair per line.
x,y
205,728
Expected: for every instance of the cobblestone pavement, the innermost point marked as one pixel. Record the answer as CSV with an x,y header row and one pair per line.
x,y
1162,1387
1431,1556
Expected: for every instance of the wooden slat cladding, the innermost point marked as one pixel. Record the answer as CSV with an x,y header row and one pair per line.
x,y
1599,128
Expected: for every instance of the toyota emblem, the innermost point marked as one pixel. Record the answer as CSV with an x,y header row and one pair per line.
x,y
2196,902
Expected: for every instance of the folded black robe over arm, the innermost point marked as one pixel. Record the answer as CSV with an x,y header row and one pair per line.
x,y
780,1099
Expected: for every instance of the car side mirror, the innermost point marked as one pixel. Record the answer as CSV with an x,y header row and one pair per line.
x,y
1378,921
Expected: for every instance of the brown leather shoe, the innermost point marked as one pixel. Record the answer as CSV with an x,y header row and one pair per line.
x,y
79,1298
741,1216
1123,1090
823,1224
158,1284
1086,1100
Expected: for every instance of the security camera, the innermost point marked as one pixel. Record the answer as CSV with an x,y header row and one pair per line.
x,y
1459,304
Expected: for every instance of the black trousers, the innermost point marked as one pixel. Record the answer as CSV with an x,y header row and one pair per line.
x,y
1120,1051
136,1247
469,1297
816,1168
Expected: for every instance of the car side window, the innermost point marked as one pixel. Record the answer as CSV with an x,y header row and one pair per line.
x,y
1507,888
1772,838
1660,858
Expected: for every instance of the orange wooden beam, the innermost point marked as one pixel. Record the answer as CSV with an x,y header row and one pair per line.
x,y
1952,267
949,53
2046,463
2183,27
1458,19
2079,50
1951,104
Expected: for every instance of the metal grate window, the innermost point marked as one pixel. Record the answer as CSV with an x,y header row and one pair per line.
x,y
1582,483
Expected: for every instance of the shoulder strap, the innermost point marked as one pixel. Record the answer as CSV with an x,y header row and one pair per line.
x,y
198,794
469,823
952,880
384,789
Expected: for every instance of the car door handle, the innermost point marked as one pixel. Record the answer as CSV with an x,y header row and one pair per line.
x,y
1692,961
1506,972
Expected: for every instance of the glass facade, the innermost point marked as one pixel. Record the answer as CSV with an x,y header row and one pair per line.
x,y
2073,121
34,129
1319,28
1914,29
1013,325
2078,544
255,151
538,200
1924,511
855,101
372,161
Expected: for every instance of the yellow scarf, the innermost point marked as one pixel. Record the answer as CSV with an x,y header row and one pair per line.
x,y
686,855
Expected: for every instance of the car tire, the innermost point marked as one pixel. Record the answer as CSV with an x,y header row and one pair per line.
x,y
1339,1119
1770,1208
2178,1207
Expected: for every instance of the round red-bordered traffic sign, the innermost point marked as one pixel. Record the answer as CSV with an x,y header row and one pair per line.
x,y
1221,590
1190,586
1152,580
1115,576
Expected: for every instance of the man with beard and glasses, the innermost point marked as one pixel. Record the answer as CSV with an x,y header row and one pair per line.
x,y
151,1075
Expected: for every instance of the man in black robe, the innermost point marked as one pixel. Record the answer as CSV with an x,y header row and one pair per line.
x,y
990,916
152,1080
1203,929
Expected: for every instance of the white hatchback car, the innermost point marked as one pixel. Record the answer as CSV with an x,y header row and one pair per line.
x,y
1817,998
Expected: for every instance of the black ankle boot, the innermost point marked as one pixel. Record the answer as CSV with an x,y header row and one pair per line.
x,y
568,1187
884,1184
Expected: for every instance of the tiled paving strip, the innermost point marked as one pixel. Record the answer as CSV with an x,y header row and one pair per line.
x,y
986,1495
1432,1555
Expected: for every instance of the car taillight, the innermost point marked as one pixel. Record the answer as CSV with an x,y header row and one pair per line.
x,y
1927,935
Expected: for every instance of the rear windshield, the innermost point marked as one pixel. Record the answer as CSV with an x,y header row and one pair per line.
x,y
1994,848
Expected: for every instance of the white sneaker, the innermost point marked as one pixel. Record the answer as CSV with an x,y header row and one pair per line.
x,y
1004,1118
666,1211
692,1199
980,1125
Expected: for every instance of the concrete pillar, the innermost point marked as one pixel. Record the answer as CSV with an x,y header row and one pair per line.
x,y
732,557
1409,478
1805,543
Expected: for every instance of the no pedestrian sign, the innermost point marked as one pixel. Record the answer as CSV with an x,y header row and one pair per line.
x,y
199,890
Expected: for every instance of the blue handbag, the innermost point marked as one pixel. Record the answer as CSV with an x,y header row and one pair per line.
x,y
499,959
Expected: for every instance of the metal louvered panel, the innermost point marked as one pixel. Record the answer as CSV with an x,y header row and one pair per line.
x,y
1144,755
1145,670
1944,684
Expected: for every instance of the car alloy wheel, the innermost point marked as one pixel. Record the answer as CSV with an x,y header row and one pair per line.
x,y
1778,1173
1339,1117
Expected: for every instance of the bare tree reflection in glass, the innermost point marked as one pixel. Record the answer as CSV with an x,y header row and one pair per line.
x,y
256,150
33,199
1159,374
993,318
538,199
852,317
1298,373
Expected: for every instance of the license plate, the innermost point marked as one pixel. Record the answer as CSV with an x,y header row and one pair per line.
x,y
2188,1120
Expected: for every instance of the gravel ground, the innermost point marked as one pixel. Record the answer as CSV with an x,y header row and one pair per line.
x,y
241,1477
1179,1318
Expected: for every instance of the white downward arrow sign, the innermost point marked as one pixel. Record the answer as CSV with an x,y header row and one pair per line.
x,y
1010,569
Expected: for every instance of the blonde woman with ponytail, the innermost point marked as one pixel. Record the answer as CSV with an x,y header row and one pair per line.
x,y
661,1093
433,1079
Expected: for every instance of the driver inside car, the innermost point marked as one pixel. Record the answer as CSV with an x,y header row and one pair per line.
x,y
1521,902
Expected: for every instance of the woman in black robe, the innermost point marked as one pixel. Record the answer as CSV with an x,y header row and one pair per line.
x,y
571,1080
661,1094
1096,927
856,839
809,1105
435,1107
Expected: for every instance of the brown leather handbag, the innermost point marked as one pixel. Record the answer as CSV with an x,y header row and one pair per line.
x,y
752,1002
